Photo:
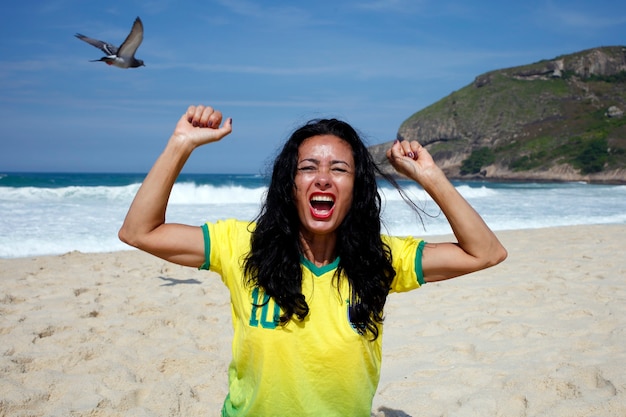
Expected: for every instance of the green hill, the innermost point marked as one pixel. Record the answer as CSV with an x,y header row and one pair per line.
x,y
559,119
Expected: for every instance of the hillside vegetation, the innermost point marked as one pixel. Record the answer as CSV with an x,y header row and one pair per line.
x,y
559,119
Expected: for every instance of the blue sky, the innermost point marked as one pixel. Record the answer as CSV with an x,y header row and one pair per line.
x,y
269,65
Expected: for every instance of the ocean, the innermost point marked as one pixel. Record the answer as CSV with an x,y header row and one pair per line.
x,y
55,213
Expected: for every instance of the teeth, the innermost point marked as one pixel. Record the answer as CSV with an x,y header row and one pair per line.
x,y
322,199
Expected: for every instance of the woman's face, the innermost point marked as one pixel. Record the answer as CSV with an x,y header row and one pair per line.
x,y
324,183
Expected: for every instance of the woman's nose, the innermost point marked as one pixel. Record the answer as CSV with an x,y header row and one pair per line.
x,y
322,179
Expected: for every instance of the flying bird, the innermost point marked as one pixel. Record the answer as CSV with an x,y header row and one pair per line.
x,y
124,56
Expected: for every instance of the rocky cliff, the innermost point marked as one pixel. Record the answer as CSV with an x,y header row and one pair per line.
x,y
555,120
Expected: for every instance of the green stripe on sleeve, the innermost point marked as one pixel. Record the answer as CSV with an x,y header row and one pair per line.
x,y
418,262
207,247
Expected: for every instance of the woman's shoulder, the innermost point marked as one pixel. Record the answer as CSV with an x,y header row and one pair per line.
x,y
400,240
230,229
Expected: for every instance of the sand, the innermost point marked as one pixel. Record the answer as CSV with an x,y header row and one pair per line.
x,y
126,334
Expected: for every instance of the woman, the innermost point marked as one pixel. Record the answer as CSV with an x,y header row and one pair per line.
x,y
309,278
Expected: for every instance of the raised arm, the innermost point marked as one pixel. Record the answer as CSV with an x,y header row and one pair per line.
x,y
477,247
144,226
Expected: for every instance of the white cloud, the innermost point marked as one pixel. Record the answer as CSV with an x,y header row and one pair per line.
x,y
570,17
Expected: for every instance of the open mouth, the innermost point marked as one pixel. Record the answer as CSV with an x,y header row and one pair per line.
x,y
322,205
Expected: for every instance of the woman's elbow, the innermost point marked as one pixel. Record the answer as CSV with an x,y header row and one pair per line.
x,y
499,254
126,236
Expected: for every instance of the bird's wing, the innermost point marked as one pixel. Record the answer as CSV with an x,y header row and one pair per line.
x,y
105,47
133,40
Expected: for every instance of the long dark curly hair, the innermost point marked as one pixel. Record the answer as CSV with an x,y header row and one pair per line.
x,y
273,263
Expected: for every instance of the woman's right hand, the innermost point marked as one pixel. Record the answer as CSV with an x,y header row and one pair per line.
x,y
201,125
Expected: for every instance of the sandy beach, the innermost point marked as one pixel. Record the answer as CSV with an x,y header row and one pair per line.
x,y
126,334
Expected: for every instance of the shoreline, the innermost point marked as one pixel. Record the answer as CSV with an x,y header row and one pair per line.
x,y
428,237
542,333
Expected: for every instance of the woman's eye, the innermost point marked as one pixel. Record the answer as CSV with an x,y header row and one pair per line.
x,y
307,168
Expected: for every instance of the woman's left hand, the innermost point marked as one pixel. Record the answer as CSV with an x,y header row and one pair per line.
x,y
411,159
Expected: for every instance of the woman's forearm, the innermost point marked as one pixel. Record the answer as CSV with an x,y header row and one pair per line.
x,y
471,231
147,211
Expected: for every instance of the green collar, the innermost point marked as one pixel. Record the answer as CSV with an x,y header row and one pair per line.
x,y
319,270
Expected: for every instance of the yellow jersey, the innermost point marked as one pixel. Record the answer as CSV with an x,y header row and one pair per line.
x,y
320,366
